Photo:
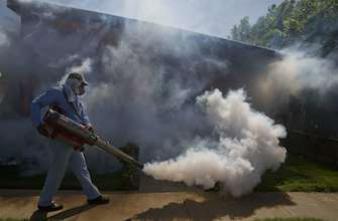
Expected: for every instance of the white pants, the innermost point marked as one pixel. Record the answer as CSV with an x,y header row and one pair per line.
x,y
62,155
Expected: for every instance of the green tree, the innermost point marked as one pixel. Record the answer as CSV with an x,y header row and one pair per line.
x,y
292,21
242,32
234,33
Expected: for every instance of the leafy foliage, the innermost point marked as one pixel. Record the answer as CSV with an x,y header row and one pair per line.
x,y
290,22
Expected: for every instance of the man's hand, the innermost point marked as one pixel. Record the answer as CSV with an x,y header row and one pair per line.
x,y
89,127
43,130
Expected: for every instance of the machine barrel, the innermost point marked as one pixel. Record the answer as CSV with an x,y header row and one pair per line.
x,y
61,122
117,153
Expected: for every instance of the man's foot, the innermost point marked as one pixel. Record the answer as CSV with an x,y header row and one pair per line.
x,y
98,200
52,207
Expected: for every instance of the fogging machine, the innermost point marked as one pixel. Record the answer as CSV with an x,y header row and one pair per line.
x,y
78,132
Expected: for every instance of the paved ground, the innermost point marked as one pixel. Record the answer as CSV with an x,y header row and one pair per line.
x,y
196,205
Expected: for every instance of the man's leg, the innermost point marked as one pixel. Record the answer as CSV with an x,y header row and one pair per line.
x,y
78,165
56,171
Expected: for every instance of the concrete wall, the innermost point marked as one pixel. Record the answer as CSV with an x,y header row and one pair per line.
x,y
50,33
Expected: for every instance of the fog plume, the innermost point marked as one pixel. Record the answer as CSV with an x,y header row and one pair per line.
x,y
141,98
4,40
144,80
244,145
298,70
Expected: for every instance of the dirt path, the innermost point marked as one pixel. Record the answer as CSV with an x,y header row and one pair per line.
x,y
195,205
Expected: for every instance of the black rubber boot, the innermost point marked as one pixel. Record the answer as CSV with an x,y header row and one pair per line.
x,y
98,201
52,207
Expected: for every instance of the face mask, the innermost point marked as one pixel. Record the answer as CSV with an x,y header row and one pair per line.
x,y
78,87
81,90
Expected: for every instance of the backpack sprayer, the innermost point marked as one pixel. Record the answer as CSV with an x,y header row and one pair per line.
x,y
75,132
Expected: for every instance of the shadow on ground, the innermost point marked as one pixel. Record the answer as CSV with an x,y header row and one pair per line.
x,y
42,216
215,207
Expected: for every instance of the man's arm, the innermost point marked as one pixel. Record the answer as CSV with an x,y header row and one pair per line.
x,y
85,117
47,98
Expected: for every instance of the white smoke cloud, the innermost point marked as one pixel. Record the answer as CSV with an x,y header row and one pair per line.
x,y
145,95
85,67
2,89
296,71
143,86
244,146
4,39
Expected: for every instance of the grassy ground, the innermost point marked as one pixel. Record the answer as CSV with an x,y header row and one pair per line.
x,y
300,175
267,219
296,174
289,219
10,219
114,181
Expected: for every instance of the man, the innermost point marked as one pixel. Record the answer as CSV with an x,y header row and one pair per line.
x,y
65,99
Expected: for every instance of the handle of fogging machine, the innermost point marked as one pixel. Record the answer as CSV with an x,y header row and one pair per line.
x,y
62,123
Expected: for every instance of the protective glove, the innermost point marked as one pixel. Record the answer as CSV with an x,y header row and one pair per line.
x,y
90,128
